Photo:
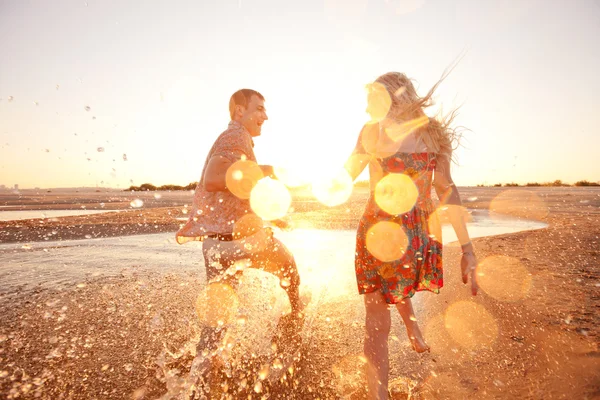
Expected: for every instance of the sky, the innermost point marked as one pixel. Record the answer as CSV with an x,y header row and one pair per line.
x,y
120,93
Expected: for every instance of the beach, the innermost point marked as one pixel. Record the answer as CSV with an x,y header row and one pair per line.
x,y
131,333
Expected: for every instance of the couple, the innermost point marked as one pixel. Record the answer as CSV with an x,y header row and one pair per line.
x,y
398,245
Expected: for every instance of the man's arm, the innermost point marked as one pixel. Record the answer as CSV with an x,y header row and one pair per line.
x,y
216,171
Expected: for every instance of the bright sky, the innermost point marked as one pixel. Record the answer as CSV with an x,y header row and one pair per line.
x,y
157,80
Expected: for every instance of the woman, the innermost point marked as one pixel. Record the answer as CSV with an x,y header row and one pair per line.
x,y
398,245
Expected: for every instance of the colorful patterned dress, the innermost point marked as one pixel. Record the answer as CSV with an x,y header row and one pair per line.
x,y
420,264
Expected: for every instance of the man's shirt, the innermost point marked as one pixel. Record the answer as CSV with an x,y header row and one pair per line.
x,y
216,212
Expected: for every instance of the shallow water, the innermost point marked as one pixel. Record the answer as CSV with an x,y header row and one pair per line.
x,y
48,264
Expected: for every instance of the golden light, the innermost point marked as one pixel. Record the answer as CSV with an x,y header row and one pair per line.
x,y
398,131
379,101
434,223
520,203
251,232
335,190
270,199
386,241
396,194
241,178
247,225
377,143
436,335
470,325
350,375
504,278
356,163
289,176
217,305
444,215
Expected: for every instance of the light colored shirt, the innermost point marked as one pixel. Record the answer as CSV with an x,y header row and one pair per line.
x,y
216,212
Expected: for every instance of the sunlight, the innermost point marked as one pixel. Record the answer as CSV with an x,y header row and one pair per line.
x,y
504,278
470,325
217,305
333,190
396,194
241,178
520,203
386,241
270,199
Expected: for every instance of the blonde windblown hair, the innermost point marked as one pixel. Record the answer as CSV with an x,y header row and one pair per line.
x,y
407,105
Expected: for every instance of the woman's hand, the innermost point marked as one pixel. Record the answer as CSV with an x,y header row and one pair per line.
x,y
468,267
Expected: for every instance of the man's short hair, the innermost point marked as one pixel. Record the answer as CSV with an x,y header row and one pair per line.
x,y
242,98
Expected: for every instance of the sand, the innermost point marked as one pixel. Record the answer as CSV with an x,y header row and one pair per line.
x,y
131,336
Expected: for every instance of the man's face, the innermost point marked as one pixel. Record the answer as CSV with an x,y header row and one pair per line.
x,y
254,115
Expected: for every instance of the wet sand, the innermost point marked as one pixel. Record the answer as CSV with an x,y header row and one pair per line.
x,y
132,335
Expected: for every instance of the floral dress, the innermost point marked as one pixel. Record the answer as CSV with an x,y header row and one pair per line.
x,y
419,263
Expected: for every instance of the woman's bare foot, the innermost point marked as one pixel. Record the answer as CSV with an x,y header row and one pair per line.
x,y
418,343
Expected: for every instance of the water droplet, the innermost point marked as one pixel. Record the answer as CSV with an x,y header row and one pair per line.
x,y
88,236
137,203
102,205
157,196
88,108
100,149
277,364
81,285
264,372
285,282
241,319
26,247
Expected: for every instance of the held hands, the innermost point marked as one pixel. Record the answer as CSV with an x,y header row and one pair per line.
x,y
468,267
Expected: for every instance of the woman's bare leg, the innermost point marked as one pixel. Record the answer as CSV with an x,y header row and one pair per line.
x,y
377,323
415,336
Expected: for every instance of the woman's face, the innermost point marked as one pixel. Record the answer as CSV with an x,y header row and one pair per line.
x,y
378,101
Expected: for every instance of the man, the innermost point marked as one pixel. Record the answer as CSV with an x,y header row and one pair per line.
x,y
219,213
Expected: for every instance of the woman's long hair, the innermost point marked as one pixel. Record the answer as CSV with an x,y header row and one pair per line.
x,y
438,134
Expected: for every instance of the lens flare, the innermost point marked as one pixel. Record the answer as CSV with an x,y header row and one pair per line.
x,y
217,305
398,131
434,223
504,278
335,190
396,194
241,178
379,101
350,375
377,143
386,241
247,225
520,203
289,176
470,325
270,199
